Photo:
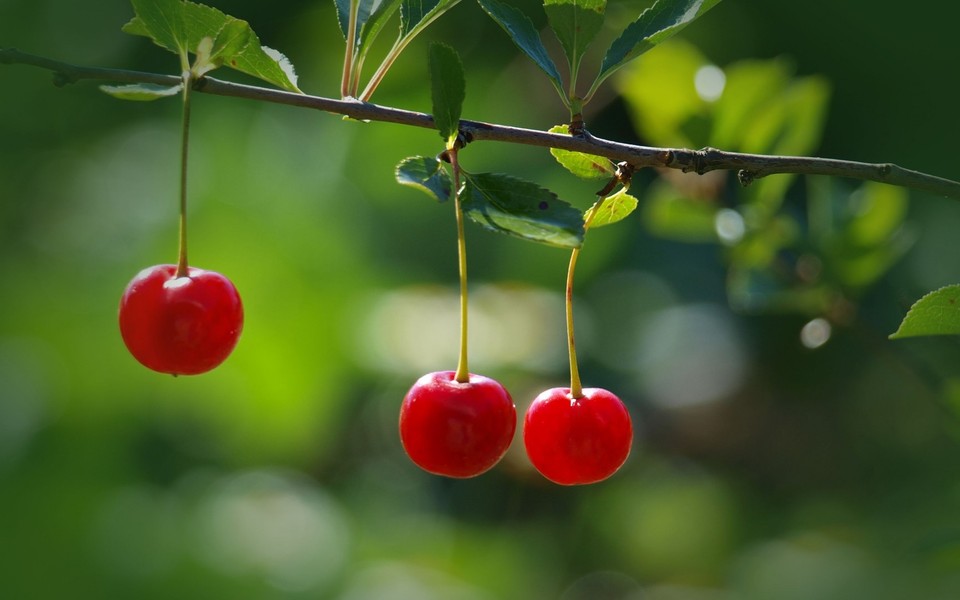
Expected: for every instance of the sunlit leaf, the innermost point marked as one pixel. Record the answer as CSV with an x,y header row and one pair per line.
x,y
790,124
523,33
267,64
447,88
366,10
937,313
750,86
181,26
416,13
372,16
575,23
661,94
585,166
860,234
656,24
880,212
425,174
375,24
521,208
232,39
614,208
141,91
163,22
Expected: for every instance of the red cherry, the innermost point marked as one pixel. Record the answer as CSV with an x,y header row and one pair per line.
x,y
180,325
456,429
575,441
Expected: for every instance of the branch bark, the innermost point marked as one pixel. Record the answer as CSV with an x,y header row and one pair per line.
x,y
749,167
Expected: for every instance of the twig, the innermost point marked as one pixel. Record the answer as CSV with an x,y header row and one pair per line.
x,y
749,167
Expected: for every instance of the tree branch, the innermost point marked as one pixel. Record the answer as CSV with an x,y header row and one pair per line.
x,y
748,166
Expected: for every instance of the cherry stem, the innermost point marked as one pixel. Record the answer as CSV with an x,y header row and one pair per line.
x,y
576,388
463,373
182,265
348,55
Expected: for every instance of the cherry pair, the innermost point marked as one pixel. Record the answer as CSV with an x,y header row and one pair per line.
x,y
461,429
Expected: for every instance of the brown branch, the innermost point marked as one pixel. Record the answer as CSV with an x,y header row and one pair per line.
x,y
748,166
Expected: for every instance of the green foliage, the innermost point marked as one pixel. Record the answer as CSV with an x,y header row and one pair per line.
x,y
655,25
671,214
937,313
776,261
142,92
180,27
425,174
584,166
526,37
860,235
611,209
416,15
523,209
575,23
371,15
448,89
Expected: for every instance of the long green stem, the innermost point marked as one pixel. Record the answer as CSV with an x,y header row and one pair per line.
x,y
576,388
348,54
399,45
182,265
463,372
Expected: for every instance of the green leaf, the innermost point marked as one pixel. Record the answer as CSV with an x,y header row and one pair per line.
x,y
136,26
751,85
141,92
414,12
937,313
375,24
575,23
372,16
266,64
448,89
661,94
656,24
181,26
859,235
521,208
613,208
365,10
163,22
791,124
581,164
231,40
523,33
425,174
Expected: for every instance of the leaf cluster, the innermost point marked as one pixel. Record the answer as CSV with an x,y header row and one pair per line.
x,y
576,23
214,38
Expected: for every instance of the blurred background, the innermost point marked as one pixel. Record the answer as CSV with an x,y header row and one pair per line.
x,y
785,448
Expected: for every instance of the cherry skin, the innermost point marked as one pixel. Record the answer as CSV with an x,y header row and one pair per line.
x,y
180,325
456,429
574,441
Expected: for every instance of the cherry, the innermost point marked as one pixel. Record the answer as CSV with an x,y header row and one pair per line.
x,y
581,440
456,429
180,325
